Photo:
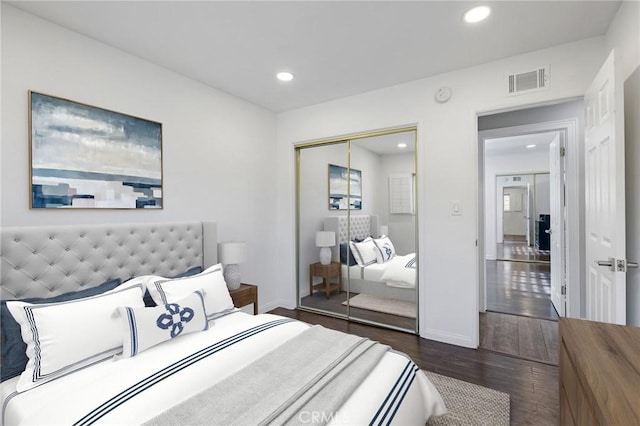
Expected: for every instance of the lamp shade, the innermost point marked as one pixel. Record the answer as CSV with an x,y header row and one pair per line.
x,y
384,230
232,252
325,239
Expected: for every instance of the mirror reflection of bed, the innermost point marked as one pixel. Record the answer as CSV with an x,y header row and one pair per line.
x,y
381,280
362,191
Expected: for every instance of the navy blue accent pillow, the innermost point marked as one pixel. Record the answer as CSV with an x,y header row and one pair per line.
x,y
148,300
344,250
14,350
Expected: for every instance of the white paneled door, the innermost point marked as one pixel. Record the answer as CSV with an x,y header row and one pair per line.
x,y
605,197
556,230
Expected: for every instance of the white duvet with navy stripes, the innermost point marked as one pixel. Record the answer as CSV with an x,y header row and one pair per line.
x,y
134,390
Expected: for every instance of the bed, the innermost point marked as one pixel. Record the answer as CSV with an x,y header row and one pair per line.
x,y
395,279
220,362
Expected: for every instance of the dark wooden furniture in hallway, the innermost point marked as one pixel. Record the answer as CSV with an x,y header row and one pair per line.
x,y
533,386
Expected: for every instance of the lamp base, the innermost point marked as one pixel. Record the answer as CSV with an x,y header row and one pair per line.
x,y
325,255
231,275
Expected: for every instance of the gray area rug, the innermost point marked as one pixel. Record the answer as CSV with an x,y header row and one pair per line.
x,y
470,404
378,304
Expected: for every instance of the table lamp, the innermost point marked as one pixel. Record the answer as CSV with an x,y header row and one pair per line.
x,y
384,230
324,240
231,254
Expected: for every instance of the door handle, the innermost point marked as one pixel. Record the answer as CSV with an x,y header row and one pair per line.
x,y
611,264
620,265
549,231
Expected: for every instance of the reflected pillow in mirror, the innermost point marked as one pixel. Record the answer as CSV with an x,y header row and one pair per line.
x,y
364,252
385,251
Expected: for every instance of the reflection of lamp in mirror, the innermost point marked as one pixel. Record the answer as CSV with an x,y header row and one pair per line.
x,y
384,230
231,254
324,240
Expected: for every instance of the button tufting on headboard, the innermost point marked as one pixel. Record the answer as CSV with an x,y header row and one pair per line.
x,y
361,226
46,261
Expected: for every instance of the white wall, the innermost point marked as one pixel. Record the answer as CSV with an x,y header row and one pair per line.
x,y
447,137
218,151
624,35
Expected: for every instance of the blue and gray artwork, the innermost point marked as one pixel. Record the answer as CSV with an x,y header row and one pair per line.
x,y
345,188
87,157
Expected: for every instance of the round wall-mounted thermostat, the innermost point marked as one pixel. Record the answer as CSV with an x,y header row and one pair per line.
x,y
443,94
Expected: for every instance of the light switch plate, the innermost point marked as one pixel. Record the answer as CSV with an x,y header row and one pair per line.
x,y
456,208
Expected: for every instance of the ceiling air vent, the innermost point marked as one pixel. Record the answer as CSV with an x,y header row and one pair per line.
x,y
528,81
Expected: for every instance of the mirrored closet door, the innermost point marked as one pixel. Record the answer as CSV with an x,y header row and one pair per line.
x,y
357,228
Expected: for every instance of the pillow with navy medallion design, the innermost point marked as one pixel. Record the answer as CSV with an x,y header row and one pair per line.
x,y
145,327
385,251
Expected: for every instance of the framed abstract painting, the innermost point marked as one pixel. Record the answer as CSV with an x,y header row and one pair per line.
x,y
92,158
345,188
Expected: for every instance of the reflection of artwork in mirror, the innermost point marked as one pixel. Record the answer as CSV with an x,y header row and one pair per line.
x,y
339,181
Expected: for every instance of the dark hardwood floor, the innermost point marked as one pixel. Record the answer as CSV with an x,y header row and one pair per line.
x,y
524,337
334,304
520,288
517,249
533,386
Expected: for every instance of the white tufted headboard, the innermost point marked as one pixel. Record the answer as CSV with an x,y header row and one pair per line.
x,y
51,260
350,227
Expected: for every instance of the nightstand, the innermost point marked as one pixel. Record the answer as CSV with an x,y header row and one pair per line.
x,y
245,295
326,272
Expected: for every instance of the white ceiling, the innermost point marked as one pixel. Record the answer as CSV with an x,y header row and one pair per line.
x,y
388,144
517,145
335,48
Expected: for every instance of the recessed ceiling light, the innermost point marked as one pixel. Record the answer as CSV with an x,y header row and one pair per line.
x,y
402,145
284,76
477,14
531,146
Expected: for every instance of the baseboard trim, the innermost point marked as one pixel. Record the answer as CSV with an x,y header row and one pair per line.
x,y
450,338
273,305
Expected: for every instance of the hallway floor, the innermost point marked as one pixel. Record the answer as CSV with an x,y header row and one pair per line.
x,y
523,337
520,288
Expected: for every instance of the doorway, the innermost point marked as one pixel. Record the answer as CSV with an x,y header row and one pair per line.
x,y
551,128
518,269
527,200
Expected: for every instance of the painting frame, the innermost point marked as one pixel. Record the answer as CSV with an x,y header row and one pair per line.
x,y
86,157
345,188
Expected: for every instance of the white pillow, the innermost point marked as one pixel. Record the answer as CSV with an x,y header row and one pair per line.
x,y
401,270
384,249
147,327
67,336
364,252
217,300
